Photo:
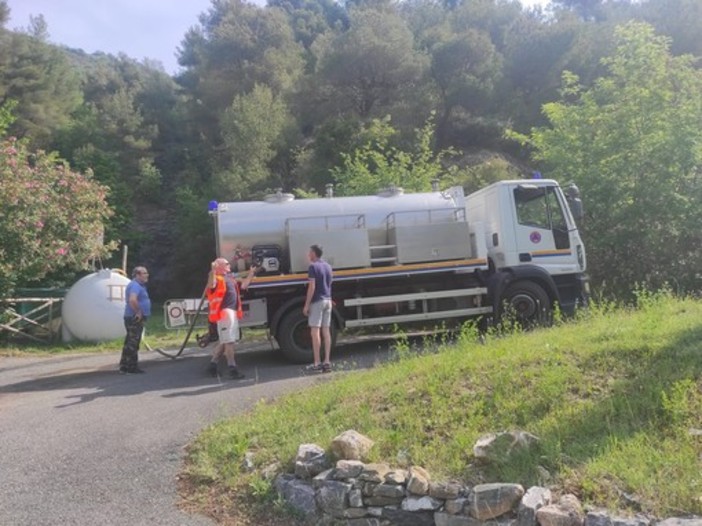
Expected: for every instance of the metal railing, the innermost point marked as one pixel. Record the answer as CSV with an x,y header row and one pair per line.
x,y
36,324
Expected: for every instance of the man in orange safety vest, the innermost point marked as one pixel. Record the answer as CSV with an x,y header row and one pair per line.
x,y
224,298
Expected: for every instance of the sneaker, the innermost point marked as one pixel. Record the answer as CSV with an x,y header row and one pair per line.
x,y
314,367
234,374
326,368
212,369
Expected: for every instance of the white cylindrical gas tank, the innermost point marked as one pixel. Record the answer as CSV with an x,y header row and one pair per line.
x,y
93,308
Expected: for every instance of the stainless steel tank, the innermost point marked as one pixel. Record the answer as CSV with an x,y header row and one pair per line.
x,y
241,227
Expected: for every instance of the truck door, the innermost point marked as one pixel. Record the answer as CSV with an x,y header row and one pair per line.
x,y
541,229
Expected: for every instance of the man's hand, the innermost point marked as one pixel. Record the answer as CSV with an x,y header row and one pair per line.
x,y
138,316
306,310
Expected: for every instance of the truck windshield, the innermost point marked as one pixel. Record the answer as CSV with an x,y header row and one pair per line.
x,y
539,207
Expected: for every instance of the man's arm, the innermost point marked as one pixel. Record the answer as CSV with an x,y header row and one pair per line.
x,y
249,278
212,278
310,292
134,304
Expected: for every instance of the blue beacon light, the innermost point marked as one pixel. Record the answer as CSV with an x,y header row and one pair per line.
x,y
212,206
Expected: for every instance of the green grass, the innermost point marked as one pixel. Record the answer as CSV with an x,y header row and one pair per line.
x,y
612,396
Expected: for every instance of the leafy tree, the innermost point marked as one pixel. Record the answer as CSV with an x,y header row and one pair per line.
x,y
377,164
369,67
236,46
311,18
679,19
466,68
4,13
633,144
110,136
51,218
252,128
586,9
39,77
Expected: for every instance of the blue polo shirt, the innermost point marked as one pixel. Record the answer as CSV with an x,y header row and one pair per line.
x,y
137,288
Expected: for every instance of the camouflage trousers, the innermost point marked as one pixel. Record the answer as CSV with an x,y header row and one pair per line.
x,y
130,350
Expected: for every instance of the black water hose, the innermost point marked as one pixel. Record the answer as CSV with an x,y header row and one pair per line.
x,y
190,331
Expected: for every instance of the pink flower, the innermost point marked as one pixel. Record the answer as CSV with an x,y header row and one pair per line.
x,y
61,251
39,224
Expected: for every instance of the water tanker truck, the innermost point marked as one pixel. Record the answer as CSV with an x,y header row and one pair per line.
x,y
406,258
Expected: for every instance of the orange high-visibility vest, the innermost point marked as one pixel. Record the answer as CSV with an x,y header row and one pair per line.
x,y
216,295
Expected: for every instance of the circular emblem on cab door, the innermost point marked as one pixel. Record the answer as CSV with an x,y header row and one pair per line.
x,y
535,237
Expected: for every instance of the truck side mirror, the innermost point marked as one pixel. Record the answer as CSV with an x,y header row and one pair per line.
x,y
572,193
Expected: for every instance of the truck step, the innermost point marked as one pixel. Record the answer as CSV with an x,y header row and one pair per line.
x,y
383,261
383,247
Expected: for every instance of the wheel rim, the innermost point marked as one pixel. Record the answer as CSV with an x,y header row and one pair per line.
x,y
525,306
301,336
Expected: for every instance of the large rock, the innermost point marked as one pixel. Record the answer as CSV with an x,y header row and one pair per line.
x,y
497,447
675,521
298,494
602,518
455,506
389,490
446,519
408,518
444,490
333,497
363,522
320,479
396,476
355,498
348,469
535,498
382,501
419,480
311,460
567,512
351,445
493,500
374,472
353,513
425,503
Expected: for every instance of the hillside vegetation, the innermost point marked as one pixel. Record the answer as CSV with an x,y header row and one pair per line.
x,y
615,397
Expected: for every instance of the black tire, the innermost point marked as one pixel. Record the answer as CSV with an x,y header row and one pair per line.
x,y
528,303
294,339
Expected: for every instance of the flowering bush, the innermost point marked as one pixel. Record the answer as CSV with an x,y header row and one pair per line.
x,y
51,218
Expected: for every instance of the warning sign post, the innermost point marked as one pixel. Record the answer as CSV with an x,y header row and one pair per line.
x,y
180,312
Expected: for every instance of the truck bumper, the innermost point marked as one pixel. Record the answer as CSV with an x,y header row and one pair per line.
x,y
574,292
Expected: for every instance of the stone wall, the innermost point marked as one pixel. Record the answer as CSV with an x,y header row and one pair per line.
x,y
350,492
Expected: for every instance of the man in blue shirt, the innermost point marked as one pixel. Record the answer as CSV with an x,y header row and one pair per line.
x,y
318,307
136,311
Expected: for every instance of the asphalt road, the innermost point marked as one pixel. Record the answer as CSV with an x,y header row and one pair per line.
x,y
82,445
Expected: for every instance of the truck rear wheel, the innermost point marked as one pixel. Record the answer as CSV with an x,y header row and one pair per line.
x,y
294,339
528,303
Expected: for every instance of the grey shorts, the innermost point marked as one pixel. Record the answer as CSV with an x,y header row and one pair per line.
x,y
228,327
320,313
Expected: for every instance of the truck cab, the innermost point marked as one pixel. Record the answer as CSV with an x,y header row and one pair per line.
x,y
531,234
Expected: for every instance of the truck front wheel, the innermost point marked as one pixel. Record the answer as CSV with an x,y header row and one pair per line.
x,y
294,339
527,302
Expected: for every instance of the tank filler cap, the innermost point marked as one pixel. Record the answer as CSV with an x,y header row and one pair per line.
x,y
278,197
391,191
